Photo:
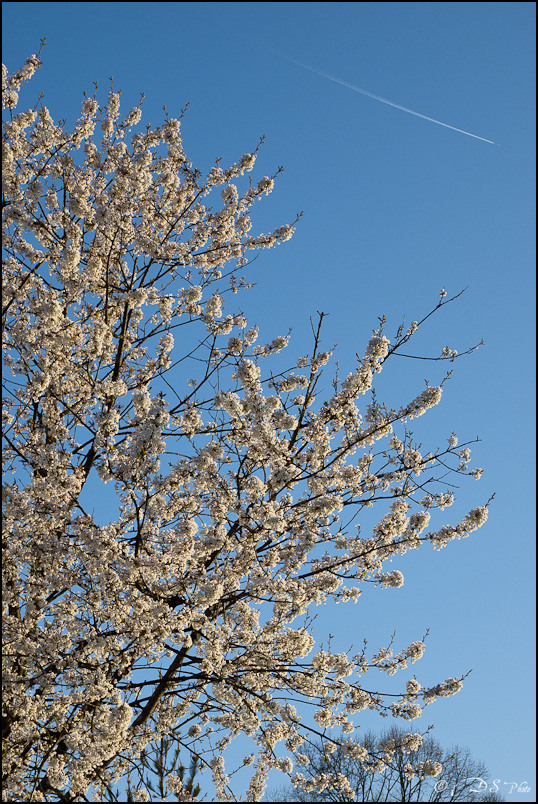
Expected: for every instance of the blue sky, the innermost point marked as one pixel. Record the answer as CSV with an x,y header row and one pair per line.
x,y
395,208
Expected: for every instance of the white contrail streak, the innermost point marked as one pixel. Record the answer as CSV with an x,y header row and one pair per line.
x,y
383,100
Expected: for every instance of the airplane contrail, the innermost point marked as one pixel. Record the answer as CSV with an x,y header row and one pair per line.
x,y
382,100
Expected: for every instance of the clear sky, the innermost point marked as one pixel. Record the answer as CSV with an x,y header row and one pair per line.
x,y
395,208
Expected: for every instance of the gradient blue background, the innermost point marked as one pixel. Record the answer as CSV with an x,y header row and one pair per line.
x,y
395,208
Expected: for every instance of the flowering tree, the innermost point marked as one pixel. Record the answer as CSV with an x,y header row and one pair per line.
x,y
184,618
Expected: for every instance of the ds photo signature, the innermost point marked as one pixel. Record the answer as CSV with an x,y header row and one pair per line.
x,y
481,786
